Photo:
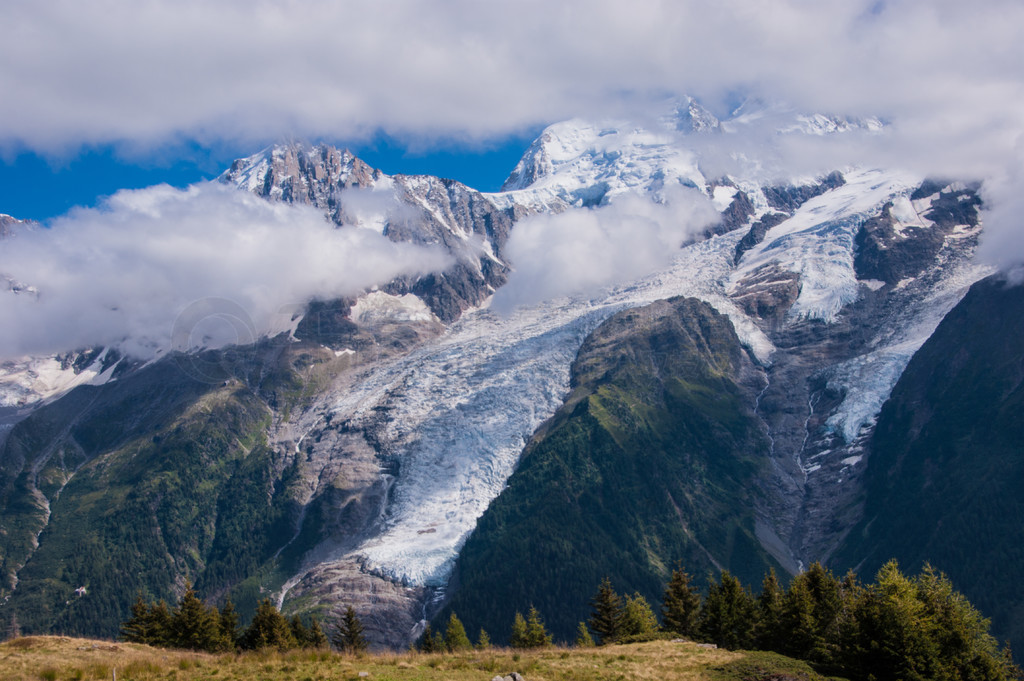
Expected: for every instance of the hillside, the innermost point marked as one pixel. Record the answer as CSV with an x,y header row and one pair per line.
x,y
945,482
34,658
651,462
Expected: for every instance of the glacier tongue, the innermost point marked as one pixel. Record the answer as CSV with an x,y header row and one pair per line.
x,y
455,414
459,410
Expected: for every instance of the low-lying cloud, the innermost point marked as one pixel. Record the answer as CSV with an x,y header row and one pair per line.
x,y
123,273
583,250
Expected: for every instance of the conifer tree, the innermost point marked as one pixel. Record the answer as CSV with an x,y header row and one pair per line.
x,y
427,642
769,634
437,641
268,629
680,606
606,613
537,635
583,637
349,636
455,638
519,638
194,625
229,624
810,616
138,627
483,641
299,631
729,615
317,637
637,619
160,624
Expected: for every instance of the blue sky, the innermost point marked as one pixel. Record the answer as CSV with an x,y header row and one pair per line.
x,y
39,187
109,95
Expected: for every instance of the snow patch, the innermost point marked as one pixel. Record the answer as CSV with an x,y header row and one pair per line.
x,y
722,197
378,307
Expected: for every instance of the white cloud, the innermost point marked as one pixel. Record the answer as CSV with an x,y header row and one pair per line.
x,y
123,273
944,73
114,70
583,250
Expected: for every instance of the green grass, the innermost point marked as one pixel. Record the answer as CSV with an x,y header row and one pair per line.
x,y
58,658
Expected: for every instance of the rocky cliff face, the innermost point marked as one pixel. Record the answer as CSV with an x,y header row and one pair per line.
x,y
380,430
420,209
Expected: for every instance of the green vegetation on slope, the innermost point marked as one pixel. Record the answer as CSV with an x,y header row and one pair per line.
x,y
945,479
651,461
148,482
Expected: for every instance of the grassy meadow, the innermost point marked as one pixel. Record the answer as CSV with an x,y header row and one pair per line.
x,y
54,658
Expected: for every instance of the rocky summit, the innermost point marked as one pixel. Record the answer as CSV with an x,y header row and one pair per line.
x,y
420,448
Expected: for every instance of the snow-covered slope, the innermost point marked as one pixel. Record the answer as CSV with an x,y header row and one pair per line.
x,y
455,413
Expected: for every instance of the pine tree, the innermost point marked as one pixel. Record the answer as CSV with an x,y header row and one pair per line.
x,y
299,631
268,629
483,641
583,637
349,636
680,606
810,616
729,615
606,613
317,637
194,625
769,634
537,635
427,642
137,628
160,625
637,618
229,624
519,637
455,638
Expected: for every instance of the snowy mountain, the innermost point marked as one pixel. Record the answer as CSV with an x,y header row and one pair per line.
x,y
390,422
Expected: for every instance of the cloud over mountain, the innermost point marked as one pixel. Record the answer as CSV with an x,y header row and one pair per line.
x,y
123,273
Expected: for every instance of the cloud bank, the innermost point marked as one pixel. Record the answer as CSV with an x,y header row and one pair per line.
x,y
124,273
117,71
584,250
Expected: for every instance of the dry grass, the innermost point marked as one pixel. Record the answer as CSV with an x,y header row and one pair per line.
x,y
51,658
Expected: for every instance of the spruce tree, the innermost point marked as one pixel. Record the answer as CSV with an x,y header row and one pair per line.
x,y
769,634
229,624
194,625
299,631
810,616
729,615
427,641
680,606
637,618
349,636
455,638
437,642
537,635
519,637
583,637
317,637
137,628
483,641
268,629
606,613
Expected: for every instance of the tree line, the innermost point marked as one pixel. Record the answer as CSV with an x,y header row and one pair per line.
x,y
193,625
898,627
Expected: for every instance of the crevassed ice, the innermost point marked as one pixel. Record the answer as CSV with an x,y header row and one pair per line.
x,y
462,407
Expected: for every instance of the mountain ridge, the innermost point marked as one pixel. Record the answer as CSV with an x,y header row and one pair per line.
x,y
392,422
